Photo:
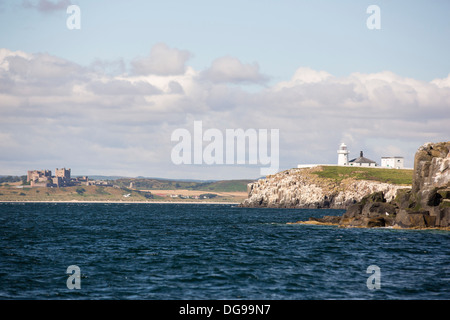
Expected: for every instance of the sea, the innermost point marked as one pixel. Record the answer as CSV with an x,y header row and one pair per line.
x,y
159,251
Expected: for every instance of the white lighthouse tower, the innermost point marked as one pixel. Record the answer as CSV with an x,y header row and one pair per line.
x,y
342,155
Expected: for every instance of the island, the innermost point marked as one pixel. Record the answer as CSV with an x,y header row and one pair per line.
x,y
425,205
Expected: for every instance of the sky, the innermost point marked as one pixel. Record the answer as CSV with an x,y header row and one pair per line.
x,y
107,97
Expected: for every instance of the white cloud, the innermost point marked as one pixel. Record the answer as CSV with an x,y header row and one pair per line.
x,y
161,61
122,87
46,5
441,83
304,75
230,69
175,87
52,109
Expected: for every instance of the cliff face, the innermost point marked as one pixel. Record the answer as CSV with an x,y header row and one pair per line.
x,y
301,188
427,204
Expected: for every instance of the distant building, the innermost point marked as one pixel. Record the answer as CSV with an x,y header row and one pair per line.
x,y
343,155
362,161
62,173
61,178
392,162
99,183
44,178
40,178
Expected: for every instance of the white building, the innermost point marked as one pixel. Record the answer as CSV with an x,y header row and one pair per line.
x,y
362,162
343,155
392,162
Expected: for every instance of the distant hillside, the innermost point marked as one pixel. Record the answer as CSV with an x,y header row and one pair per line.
x,y
224,186
77,193
162,184
106,193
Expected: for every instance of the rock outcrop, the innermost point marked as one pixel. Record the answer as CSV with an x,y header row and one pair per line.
x,y
425,205
301,188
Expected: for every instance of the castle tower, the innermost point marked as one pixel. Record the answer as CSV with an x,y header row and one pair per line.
x,y
343,155
62,173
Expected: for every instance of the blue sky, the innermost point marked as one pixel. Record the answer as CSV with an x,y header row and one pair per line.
x,y
309,68
279,35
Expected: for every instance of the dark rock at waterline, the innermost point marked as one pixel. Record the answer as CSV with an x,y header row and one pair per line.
x,y
327,219
426,205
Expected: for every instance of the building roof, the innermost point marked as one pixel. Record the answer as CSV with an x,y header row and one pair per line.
x,y
361,159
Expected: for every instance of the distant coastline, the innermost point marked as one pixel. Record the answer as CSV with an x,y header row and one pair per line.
x,y
138,191
118,202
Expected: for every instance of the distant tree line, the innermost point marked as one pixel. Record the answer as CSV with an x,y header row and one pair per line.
x,y
13,179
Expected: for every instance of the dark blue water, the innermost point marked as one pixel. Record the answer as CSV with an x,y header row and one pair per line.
x,y
189,251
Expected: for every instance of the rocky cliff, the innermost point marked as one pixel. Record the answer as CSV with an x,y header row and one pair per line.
x,y
425,205
301,188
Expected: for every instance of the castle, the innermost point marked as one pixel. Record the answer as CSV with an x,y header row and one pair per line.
x,y
44,178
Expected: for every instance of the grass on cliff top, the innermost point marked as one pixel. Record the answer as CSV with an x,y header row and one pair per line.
x,y
394,176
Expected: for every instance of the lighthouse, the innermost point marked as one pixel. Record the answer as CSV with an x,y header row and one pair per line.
x,y
342,155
